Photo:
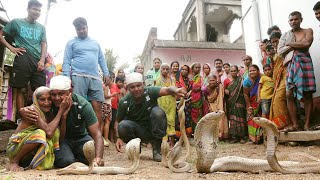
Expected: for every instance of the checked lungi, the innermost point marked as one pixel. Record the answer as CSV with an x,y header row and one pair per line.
x,y
300,74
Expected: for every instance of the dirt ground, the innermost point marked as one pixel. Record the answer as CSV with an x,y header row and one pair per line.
x,y
148,169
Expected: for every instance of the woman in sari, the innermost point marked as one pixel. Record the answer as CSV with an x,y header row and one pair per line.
x,y
213,94
279,113
32,144
183,80
174,67
120,73
226,68
167,103
153,74
213,101
244,72
206,69
196,94
236,107
49,69
250,91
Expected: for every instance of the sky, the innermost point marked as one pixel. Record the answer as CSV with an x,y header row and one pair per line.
x,y
121,25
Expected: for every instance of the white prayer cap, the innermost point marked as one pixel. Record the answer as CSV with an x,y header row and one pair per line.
x,y
60,83
134,77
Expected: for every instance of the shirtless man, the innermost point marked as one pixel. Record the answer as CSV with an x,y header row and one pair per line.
x,y
300,82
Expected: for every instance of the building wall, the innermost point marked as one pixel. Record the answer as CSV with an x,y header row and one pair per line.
x,y
279,11
189,56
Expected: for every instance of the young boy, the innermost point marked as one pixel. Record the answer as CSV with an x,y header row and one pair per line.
x,y
115,92
270,54
265,90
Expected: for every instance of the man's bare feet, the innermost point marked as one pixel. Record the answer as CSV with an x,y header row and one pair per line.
x,y
14,167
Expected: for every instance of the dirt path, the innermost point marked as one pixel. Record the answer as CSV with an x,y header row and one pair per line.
x,y
149,169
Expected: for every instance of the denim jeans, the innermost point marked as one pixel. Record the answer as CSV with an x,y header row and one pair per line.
x,y
71,151
158,125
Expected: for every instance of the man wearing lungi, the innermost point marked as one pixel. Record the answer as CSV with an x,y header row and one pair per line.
x,y
300,81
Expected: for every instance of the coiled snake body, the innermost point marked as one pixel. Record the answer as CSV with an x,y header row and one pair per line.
x,y
173,158
207,137
132,151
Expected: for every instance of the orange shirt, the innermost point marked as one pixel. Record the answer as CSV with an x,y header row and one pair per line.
x,y
115,99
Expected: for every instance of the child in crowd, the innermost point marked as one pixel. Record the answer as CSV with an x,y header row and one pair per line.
x,y
107,111
265,90
115,91
263,46
167,103
139,68
270,54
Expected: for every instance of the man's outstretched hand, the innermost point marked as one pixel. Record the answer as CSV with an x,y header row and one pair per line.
x,y
99,161
119,144
181,92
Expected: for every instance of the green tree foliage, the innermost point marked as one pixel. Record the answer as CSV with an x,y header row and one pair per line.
x,y
111,59
9,57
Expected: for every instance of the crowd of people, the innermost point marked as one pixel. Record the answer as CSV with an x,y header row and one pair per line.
x,y
78,105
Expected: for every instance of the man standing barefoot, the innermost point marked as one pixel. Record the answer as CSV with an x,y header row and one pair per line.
x,y
300,83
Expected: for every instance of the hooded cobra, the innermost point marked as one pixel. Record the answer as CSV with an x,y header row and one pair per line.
x,y
132,151
207,137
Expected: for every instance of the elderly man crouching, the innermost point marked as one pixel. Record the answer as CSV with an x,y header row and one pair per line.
x,y
139,115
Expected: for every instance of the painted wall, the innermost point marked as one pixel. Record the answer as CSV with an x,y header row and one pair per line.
x,y
279,11
189,56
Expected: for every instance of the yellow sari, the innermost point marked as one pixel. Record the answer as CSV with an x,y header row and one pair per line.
x,y
168,104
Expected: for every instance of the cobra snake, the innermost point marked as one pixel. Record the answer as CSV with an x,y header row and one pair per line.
x,y
132,151
207,137
173,158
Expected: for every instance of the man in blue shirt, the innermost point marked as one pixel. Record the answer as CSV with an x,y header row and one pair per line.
x,y
81,59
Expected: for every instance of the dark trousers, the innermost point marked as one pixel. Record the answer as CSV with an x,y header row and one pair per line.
x,y
157,129
71,151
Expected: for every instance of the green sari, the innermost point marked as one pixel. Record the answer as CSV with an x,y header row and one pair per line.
x,y
236,110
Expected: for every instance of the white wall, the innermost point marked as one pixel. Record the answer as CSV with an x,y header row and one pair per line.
x,y
280,9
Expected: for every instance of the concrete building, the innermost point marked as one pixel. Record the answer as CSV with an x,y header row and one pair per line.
x,y
203,35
